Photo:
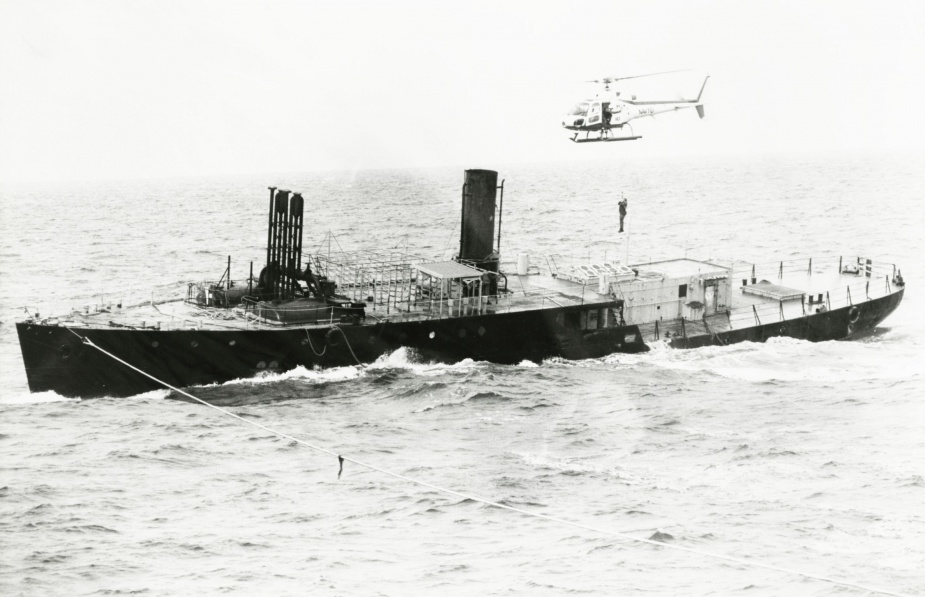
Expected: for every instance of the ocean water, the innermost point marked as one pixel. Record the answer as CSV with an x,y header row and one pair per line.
x,y
806,457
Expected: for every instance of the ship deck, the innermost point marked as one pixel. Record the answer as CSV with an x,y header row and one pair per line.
x,y
758,293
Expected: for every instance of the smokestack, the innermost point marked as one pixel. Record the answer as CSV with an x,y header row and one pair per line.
x,y
284,244
476,239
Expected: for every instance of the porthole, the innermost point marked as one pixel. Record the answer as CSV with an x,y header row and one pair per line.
x,y
273,364
432,335
232,343
194,344
462,332
155,344
261,365
304,341
481,330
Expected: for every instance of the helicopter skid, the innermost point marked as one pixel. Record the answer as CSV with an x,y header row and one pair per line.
x,y
605,139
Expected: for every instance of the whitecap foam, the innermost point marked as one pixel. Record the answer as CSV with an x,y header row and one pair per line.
x,y
36,398
408,360
334,374
152,395
402,358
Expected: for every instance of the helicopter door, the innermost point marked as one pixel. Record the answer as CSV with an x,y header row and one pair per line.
x,y
594,116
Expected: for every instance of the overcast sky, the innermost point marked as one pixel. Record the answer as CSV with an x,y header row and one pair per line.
x,y
96,89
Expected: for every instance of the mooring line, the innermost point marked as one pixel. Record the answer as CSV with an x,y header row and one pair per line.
x,y
621,535
347,341
317,354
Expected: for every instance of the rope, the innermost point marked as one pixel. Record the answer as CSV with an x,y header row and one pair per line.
x,y
317,354
499,505
350,348
449,240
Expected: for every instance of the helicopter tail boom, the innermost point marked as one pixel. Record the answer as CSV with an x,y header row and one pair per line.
x,y
696,100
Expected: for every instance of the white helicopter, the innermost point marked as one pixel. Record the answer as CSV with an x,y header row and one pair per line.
x,y
607,111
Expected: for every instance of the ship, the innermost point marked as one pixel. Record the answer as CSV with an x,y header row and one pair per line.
x,y
337,309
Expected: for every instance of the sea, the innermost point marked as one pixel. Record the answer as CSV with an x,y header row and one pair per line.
x,y
804,462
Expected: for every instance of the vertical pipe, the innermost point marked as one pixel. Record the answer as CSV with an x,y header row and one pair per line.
x,y
462,225
270,224
280,227
500,213
228,271
299,229
810,269
849,295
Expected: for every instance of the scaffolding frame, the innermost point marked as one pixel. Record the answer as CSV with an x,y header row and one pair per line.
x,y
387,279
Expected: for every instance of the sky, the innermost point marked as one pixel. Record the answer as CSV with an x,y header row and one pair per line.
x,y
100,89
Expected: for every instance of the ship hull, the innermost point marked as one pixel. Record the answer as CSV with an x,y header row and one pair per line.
x,y
58,359
844,323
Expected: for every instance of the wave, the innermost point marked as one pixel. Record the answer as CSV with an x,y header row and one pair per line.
x,y
780,360
36,398
332,375
476,398
407,359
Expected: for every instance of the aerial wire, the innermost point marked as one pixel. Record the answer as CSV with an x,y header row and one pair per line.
x,y
341,459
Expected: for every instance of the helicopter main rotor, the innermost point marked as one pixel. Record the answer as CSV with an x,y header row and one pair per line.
x,y
610,80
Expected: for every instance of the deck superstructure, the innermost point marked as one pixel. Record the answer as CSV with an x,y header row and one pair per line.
x,y
677,298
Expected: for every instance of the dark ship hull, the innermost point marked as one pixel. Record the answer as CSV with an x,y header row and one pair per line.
x,y
58,360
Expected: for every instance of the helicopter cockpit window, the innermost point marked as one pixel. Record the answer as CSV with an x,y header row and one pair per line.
x,y
580,108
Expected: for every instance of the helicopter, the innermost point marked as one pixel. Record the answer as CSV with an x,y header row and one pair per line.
x,y
608,110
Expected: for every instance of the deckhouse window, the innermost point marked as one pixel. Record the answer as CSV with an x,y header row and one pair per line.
x,y
593,319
